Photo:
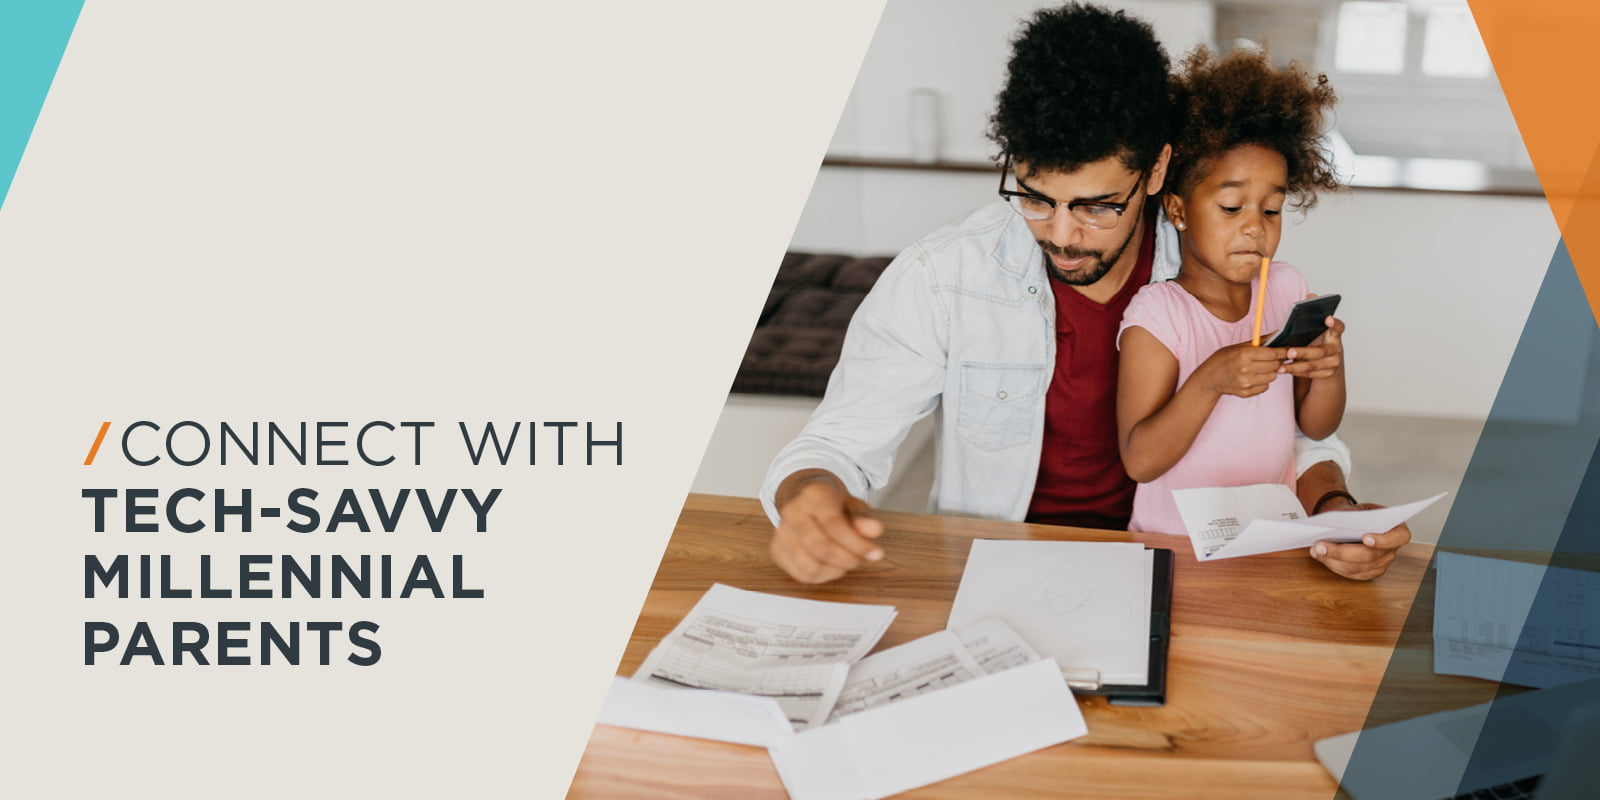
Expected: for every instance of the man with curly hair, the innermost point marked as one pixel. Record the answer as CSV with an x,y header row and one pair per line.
x,y
1008,318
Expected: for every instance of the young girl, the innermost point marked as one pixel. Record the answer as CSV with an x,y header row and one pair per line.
x,y
1197,404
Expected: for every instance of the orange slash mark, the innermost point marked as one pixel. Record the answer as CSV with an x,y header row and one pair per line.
x,y
100,437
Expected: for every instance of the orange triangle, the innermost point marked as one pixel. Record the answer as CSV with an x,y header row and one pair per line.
x,y
1544,52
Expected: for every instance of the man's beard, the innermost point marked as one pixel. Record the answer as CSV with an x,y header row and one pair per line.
x,y
1090,273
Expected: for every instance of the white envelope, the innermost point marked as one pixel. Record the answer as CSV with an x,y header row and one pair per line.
x,y
701,713
931,737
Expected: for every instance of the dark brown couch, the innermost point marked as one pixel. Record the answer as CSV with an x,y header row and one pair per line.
x,y
797,339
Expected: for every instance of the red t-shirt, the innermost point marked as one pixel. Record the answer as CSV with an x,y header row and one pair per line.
x,y
1081,478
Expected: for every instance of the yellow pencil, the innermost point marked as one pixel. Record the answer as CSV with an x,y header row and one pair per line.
x,y
1261,301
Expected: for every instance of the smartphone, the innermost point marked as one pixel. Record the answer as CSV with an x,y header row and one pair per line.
x,y
1307,320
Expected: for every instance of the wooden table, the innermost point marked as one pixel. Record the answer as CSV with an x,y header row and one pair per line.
x,y
1269,654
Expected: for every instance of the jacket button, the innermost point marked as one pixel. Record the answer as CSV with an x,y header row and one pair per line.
x,y
1001,395
1033,290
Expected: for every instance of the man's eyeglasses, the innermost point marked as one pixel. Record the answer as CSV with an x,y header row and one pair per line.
x,y
1090,214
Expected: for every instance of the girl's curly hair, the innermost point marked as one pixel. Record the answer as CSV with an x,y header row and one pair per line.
x,y
1240,98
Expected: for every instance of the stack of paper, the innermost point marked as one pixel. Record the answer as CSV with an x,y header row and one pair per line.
x,y
1233,521
1085,604
936,707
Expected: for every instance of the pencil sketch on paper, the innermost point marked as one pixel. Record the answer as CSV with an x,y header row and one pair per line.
x,y
1068,595
1085,604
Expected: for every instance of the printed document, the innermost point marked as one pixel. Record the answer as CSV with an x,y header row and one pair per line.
x,y
931,663
916,667
1519,623
1085,604
1233,521
995,645
798,652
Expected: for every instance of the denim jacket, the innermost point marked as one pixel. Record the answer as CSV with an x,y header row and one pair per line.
x,y
965,318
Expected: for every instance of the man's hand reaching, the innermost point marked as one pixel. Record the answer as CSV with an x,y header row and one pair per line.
x,y
824,532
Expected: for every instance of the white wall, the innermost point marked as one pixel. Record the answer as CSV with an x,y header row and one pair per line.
x,y
1436,290
960,48
753,428
749,433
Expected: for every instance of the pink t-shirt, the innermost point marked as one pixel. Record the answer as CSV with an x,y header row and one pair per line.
x,y
1246,440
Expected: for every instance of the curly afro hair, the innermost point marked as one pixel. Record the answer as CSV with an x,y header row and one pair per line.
x,y
1240,98
1084,84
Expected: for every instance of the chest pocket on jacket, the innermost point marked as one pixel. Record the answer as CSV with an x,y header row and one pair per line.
x,y
1000,403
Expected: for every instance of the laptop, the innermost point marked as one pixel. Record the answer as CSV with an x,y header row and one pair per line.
x,y
1540,745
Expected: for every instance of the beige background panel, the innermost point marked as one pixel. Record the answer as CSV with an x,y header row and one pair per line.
x,y
402,211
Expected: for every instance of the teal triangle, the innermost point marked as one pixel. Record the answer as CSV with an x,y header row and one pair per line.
x,y
33,35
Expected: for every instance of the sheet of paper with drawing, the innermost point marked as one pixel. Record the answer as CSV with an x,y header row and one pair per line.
x,y
798,652
1085,604
1519,623
1233,521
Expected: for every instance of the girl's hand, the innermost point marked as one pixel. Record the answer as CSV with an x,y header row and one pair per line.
x,y
1242,370
1323,358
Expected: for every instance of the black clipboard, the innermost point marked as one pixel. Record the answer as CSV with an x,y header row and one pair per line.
x,y
1153,693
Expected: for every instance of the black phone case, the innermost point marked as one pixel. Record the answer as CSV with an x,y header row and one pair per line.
x,y
1305,322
